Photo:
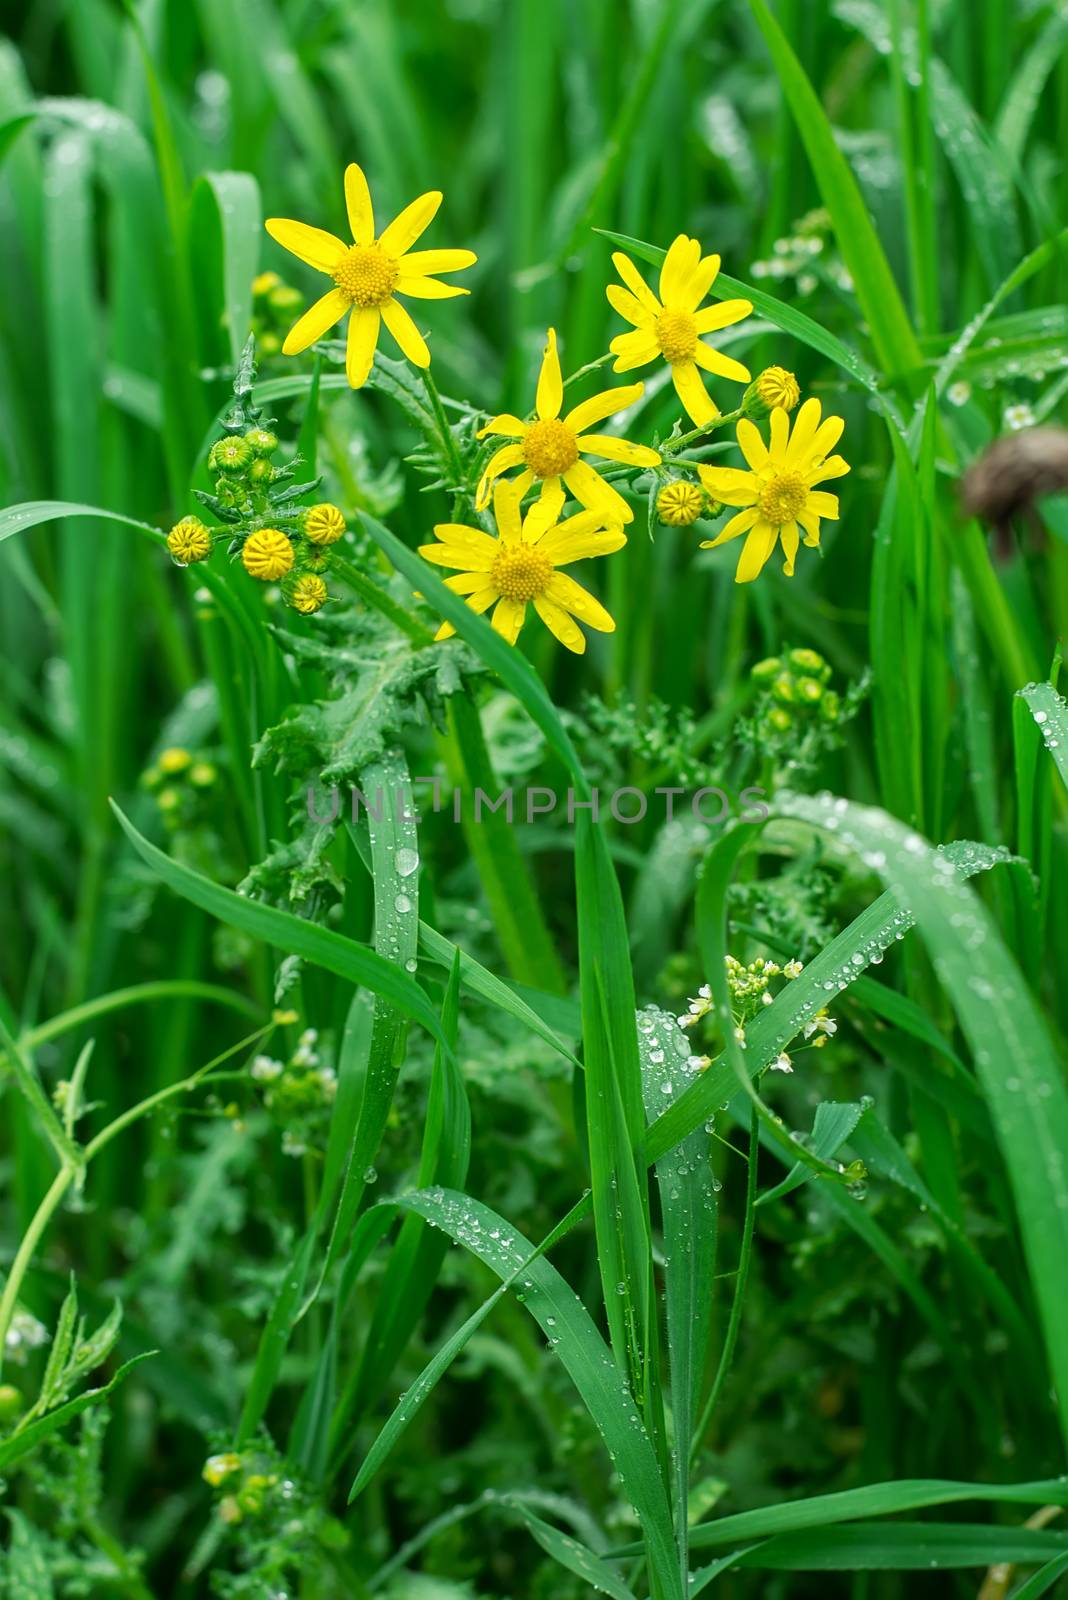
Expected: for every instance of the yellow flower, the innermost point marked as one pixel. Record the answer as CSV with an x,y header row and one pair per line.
x,y
263,283
672,325
778,492
189,541
308,594
773,387
267,554
368,275
520,565
323,524
679,504
549,447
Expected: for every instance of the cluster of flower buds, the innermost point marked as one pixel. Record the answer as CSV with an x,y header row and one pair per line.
x,y
793,691
249,1483
298,1093
259,511
750,989
180,779
275,304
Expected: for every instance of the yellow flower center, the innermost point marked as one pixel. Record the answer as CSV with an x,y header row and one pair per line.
x,y
781,497
267,554
549,448
520,572
676,334
366,274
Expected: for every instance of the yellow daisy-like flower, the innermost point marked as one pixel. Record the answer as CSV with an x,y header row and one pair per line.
x,y
549,447
679,504
671,326
267,554
189,541
368,275
324,524
778,492
520,566
308,594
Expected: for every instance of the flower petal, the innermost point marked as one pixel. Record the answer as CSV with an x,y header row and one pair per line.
x,y
605,404
615,449
693,394
406,227
314,246
315,322
752,444
790,541
636,283
739,524
682,258
723,315
540,517
755,553
629,306
833,467
360,350
550,396
633,349
551,499
466,583
730,484
724,366
407,335
417,262
697,284
805,424
560,624
508,618
780,434
591,490
579,538
474,541
454,555
509,455
574,598
811,524
511,426
506,512
358,205
427,288
828,435
824,505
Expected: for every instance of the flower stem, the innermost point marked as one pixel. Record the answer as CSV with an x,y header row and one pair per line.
x,y
447,440
673,446
24,1255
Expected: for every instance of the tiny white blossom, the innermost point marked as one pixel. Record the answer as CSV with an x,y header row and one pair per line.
x,y
264,1069
793,969
782,1063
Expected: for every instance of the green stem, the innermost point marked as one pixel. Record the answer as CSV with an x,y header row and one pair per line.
x,y
24,1255
741,1278
671,447
47,1120
447,440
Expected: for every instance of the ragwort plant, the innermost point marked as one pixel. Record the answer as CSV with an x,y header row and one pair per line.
x,y
447,1044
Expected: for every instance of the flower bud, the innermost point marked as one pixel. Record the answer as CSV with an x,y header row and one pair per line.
x,y
189,541
262,441
231,454
218,1468
767,669
203,774
784,689
261,471
308,594
323,523
810,662
263,283
267,554
779,720
174,759
285,299
11,1402
679,504
773,389
829,706
809,689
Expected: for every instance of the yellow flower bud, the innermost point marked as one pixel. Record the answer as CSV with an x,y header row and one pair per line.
x,y
267,554
323,524
679,504
773,389
203,774
189,541
308,594
263,283
218,1468
174,759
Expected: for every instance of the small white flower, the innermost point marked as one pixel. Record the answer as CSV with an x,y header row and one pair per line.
x,y
308,1037
767,999
1017,417
739,1034
264,1069
291,1145
782,1063
958,394
793,969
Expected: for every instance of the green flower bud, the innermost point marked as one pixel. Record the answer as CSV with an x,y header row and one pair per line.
x,y
811,662
809,689
829,706
779,720
285,298
766,670
262,441
230,455
260,471
784,688
269,344
11,1402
